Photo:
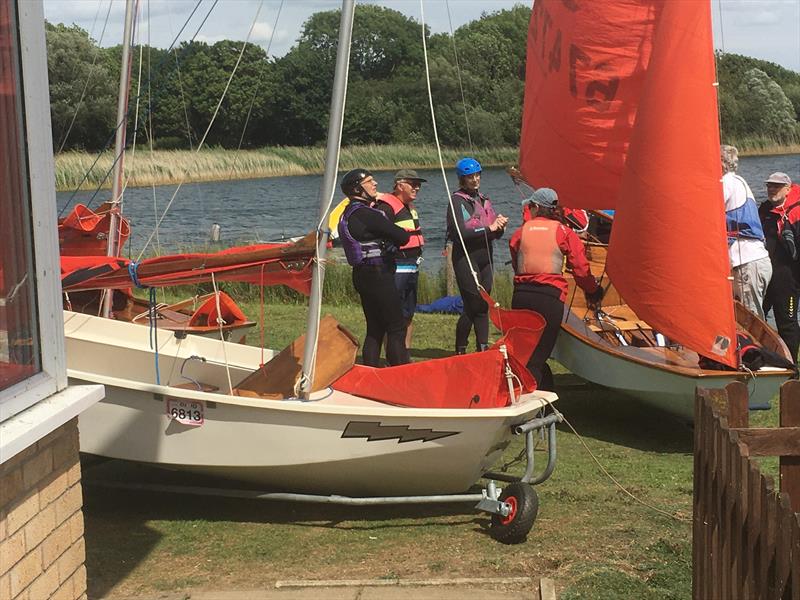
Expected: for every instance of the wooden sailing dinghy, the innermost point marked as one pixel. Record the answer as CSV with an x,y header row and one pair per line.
x,y
621,113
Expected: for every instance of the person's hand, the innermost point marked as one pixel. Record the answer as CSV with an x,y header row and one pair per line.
x,y
500,222
593,299
788,241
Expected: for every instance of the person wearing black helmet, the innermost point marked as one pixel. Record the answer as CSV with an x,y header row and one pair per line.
x,y
370,240
471,218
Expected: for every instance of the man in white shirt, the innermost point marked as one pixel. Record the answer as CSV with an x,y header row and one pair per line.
x,y
750,263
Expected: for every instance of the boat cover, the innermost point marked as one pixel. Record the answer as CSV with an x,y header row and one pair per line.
x,y
84,232
286,263
621,113
476,380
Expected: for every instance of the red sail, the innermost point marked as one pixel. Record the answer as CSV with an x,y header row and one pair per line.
x,y
265,264
621,112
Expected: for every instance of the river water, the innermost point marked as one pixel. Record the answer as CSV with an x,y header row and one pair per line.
x,y
276,207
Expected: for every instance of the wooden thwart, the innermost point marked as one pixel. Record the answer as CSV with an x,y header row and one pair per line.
x,y
337,349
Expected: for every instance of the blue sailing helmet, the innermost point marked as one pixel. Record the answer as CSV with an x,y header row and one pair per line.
x,y
467,166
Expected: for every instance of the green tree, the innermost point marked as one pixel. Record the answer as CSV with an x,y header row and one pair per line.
x,y
765,107
83,94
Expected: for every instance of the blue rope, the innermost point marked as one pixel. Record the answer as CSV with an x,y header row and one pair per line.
x,y
154,331
133,272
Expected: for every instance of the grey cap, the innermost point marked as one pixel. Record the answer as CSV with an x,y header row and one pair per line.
x,y
408,174
778,177
545,197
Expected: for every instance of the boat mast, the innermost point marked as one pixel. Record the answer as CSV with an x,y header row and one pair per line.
x,y
326,191
119,145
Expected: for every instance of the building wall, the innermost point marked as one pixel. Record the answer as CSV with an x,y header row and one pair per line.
x,y
42,549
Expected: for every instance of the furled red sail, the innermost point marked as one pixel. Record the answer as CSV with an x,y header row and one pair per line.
x,y
264,264
621,112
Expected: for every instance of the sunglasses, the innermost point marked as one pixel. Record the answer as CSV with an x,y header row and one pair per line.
x,y
415,185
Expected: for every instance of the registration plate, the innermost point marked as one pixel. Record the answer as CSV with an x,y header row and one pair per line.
x,y
187,412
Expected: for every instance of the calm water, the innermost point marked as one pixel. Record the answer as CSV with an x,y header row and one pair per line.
x,y
268,209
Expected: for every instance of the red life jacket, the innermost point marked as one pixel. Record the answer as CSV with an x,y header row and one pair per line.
x,y
410,224
538,248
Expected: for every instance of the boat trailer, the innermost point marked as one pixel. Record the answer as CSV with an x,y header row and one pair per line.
x,y
513,508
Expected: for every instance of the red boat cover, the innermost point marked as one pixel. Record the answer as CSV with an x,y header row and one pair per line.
x,y
84,232
291,267
621,112
206,313
476,380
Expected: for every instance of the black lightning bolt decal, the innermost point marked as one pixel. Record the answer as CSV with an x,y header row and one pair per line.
x,y
375,432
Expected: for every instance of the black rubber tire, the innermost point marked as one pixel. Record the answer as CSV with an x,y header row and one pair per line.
x,y
514,529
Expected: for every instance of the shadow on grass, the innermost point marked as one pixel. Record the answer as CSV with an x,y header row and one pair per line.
x,y
603,414
118,538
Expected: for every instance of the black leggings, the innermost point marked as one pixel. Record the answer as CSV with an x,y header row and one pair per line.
x,y
476,311
384,314
546,300
782,296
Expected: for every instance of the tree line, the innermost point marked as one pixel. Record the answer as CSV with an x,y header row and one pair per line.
x,y
477,76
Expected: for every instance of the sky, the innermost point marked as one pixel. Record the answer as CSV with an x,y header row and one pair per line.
x,y
766,29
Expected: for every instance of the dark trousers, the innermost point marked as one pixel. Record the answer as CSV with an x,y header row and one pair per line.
x,y
383,313
476,311
782,296
546,300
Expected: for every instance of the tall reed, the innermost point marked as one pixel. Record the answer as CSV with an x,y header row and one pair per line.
x,y
162,167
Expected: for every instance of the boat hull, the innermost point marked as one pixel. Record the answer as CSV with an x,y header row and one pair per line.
x,y
336,444
670,390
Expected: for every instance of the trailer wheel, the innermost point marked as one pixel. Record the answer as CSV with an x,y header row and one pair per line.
x,y
524,503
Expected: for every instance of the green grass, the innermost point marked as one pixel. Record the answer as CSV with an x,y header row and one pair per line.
x,y
592,539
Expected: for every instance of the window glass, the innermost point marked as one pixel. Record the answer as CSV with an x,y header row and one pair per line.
x,y
20,355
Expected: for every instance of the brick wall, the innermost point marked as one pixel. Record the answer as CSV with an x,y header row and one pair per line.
x,y
42,549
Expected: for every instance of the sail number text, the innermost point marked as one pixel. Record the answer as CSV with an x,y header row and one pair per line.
x,y
186,412
549,48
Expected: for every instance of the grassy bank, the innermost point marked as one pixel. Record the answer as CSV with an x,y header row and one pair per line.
x,y
594,541
163,167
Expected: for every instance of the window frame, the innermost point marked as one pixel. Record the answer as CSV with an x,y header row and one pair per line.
x,y
41,186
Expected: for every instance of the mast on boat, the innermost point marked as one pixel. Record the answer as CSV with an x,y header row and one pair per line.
x,y
119,145
326,191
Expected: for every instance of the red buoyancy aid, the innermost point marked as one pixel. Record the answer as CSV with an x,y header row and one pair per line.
x,y
538,249
411,225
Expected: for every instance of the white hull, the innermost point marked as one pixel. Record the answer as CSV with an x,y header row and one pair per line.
x,y
327,445
668,390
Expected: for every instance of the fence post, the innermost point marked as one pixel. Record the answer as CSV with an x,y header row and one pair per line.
x,y
790,465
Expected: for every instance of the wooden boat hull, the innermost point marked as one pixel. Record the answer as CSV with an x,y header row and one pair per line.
x,y
668,390
338,443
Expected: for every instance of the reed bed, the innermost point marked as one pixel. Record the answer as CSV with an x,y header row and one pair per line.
x,y
80,170
764,145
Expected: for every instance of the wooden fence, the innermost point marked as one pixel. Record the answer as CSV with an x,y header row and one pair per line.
x,y
746,535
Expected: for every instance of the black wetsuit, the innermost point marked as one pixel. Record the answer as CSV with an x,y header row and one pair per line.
x,y
375,285
478,241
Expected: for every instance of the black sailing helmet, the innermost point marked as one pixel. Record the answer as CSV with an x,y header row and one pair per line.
x,y
351,182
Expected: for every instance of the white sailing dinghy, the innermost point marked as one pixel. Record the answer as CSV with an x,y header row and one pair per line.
x,y
307,419
621,113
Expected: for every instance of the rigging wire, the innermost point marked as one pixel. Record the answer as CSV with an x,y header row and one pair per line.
x,y
88,77
180,87
210,124
460,82
113,135
439,147
255,93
